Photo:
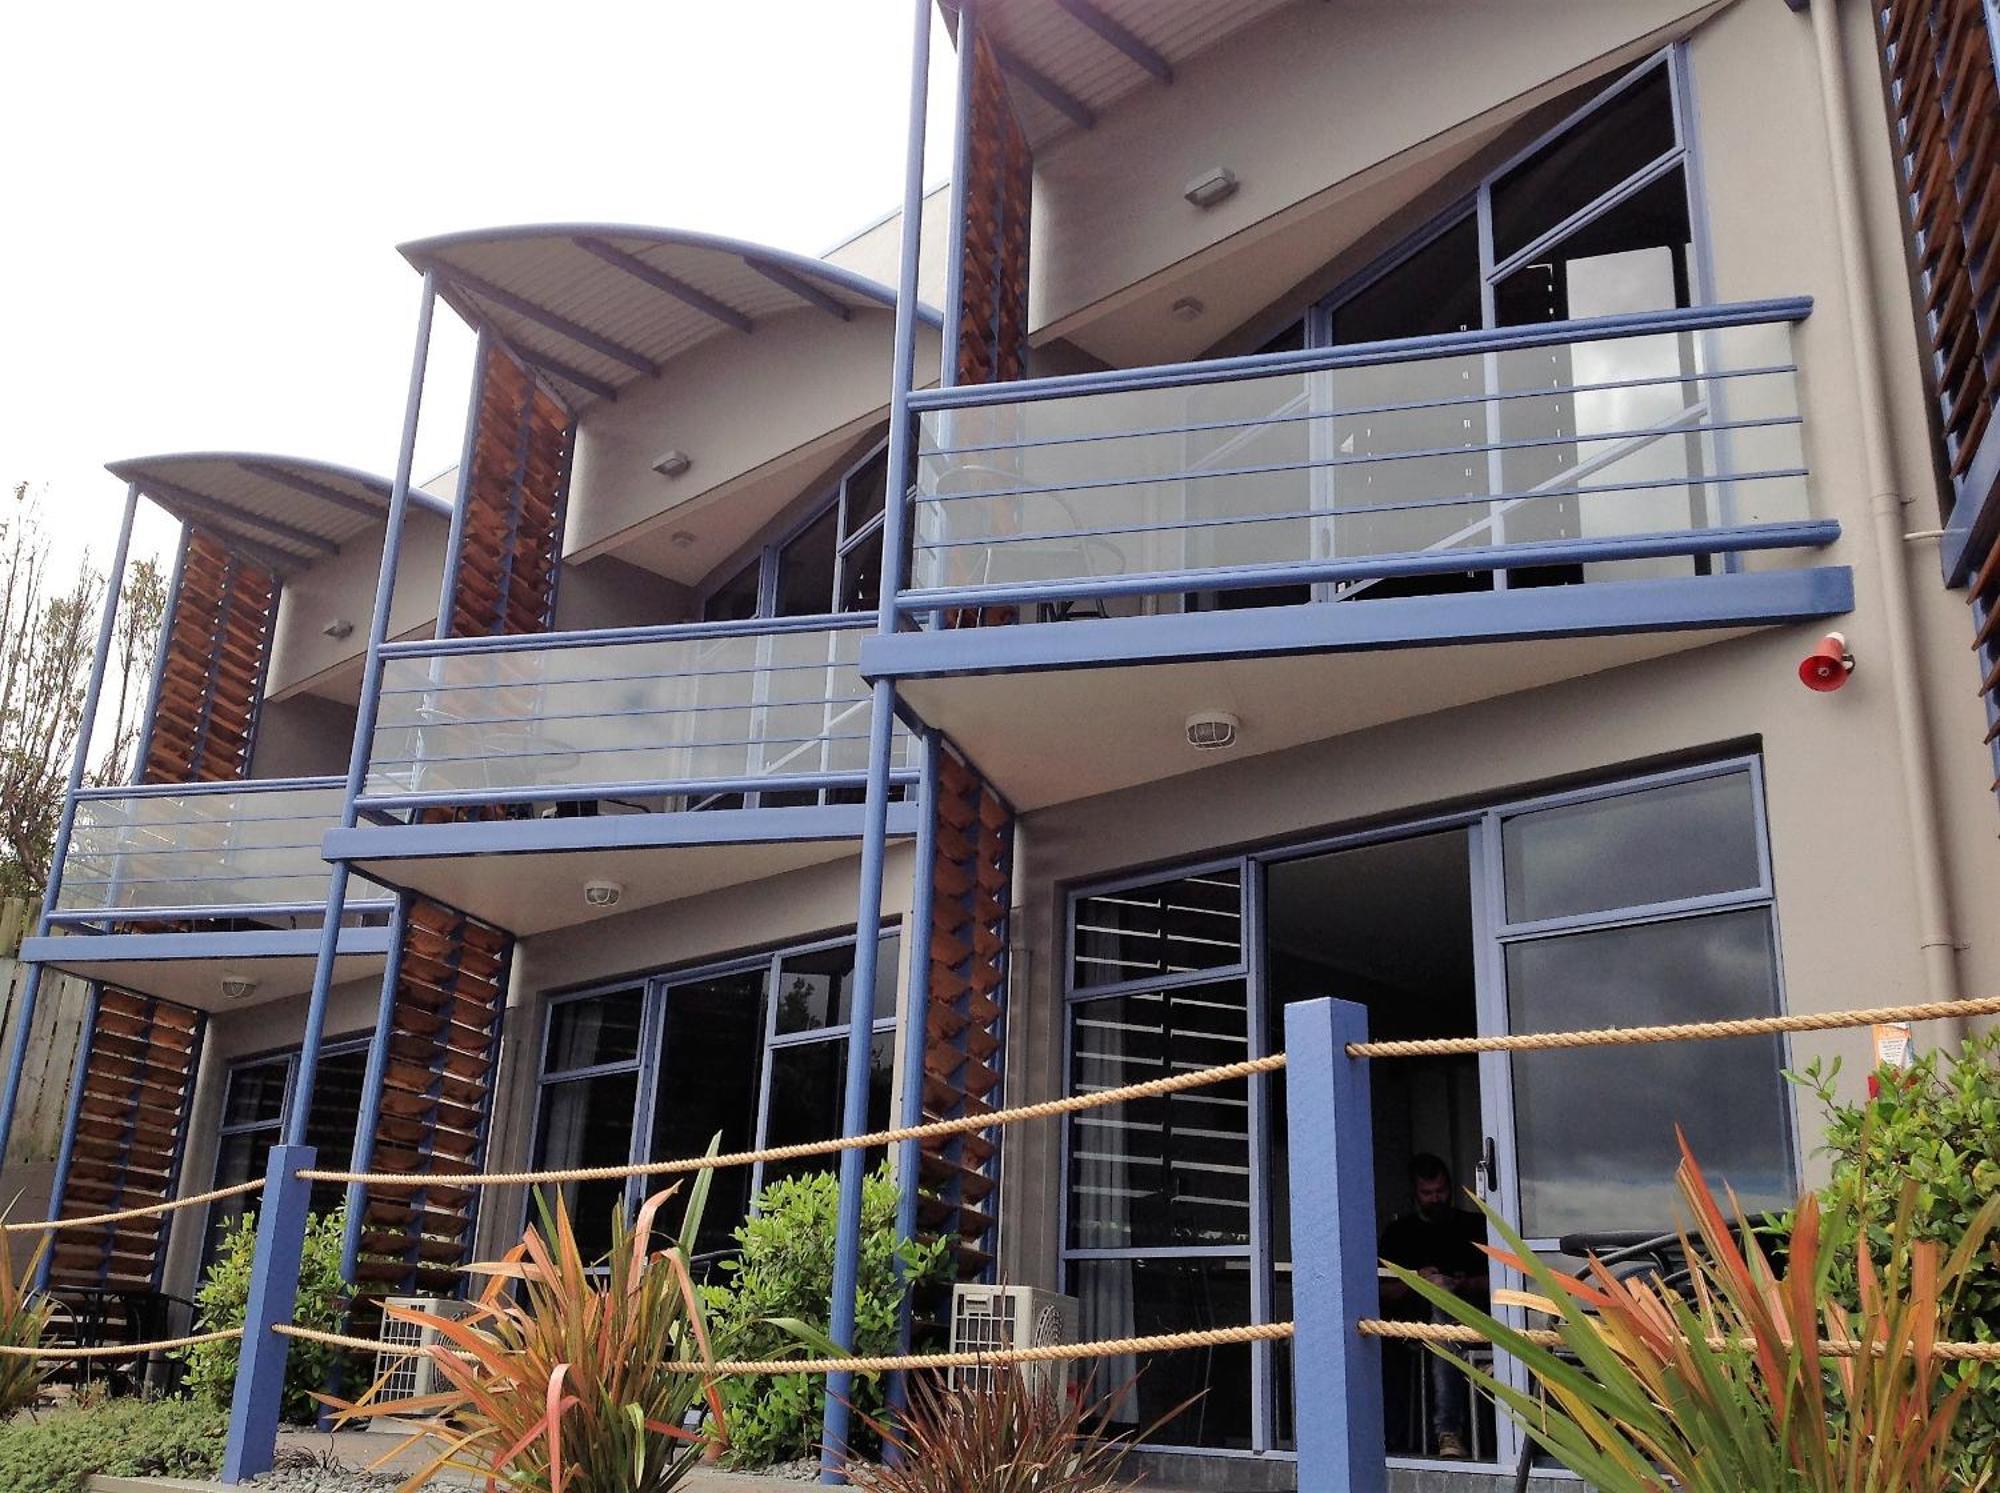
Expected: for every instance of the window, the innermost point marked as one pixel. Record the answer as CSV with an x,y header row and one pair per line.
x,y
831,563
753,1051
256,1100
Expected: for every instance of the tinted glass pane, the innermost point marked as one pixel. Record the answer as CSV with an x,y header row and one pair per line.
x,y
861,575
595,1030
1195,922
238,1158
1656,845
1436,289
736,598
1173,1170
807,1081
336,1103
864,491
1144,1298
1582,164
1632,257
805,569
710,1061
256,1094
588,1122
815,990
1594,1128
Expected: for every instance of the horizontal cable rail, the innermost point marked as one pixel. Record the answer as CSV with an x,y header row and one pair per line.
x,y
197,790
670,632
197,911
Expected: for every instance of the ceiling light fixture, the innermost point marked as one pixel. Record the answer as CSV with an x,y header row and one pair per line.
x,y
339,629
673,463
1187,308
599,893
1212,730
1213,187
238,987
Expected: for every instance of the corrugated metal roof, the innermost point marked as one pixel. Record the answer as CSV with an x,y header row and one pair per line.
x,y
1048,38
287,511
598,306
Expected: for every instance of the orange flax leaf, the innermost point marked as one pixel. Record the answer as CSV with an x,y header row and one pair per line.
x,y
555,1403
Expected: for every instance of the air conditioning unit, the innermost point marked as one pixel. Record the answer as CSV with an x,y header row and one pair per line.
x,y
403,1369
990,1319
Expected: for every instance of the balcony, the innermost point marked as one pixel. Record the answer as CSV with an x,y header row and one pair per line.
x,y
1269,534
504,772
210,894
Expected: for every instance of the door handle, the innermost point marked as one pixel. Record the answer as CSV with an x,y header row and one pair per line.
x,y
1489,1168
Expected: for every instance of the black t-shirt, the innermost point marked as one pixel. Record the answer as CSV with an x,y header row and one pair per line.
x,y
1449,1242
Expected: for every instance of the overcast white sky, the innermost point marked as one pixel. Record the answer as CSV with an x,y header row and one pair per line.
x,y
203,199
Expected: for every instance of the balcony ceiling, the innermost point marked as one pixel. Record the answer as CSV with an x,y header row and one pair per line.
x,y
597,307
286,511
1069,60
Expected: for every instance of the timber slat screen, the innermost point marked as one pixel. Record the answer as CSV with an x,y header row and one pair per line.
x,y
443,1037
137,1084
218,647
1941,64
963,1048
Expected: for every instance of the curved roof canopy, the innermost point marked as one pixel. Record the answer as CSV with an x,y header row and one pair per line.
x,y
596,307
288,512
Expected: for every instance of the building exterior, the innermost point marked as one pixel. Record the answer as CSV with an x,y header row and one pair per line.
x,y
1350,526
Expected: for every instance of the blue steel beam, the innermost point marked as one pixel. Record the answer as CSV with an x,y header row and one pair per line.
x,y
231,513
150,718
76,949
562,326
835,1425
668,284
363,1155
274,1281
325,492
1053,93
1120,37
455,536
961,174
556,369
100,659
801,287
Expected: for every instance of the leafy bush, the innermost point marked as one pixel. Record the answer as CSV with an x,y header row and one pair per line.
x,y
1733,1390
556,1384
774,1301
224,1300
1937,1125
1011,1435
120,1438
24,1319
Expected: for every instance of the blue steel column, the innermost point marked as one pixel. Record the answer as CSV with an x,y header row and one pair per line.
x,y
259,1397
364,721
881,745
1336,1373
66,1151
31,986
363,1155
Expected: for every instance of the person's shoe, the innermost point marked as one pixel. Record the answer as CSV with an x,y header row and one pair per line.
x,y
1452,1446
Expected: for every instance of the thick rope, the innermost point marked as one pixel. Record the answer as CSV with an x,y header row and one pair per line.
x,y
1452,1332
1046,1353
122,1350
1691,1031
1151,1089
149,1211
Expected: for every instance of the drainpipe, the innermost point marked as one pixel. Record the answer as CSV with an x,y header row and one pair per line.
x,y
1885,501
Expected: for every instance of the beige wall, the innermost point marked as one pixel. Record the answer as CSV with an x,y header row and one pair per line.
x,y
343,586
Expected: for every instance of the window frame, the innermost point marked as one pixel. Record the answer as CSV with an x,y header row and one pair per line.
x,y
848,538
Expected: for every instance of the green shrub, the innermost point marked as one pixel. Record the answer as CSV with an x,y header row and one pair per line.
x,y
121,1438
1936,1124
224,1299
784,1272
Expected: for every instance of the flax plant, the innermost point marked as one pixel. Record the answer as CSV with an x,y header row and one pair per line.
x,y
1730,1386
24,1323
556,1378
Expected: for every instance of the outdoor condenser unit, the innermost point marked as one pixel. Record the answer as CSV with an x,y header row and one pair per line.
x,y
404,1374
988,1319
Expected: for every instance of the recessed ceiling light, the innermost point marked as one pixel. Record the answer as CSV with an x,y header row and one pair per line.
x,y
1218,184
673,463
1187,308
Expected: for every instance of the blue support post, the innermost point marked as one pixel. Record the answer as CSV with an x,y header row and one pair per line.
x,y
274,1283
364,721
31,986
66,1151
363,1155
1337,1373
881,745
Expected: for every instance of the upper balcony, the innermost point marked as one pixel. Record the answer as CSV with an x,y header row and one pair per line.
x,y
505,773
1267,534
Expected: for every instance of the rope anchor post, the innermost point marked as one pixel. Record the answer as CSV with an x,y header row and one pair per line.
x,y
274,1287
1337,1379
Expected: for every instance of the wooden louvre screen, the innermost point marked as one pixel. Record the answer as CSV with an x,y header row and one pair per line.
x,y
218,648
971,897
514,496
443,1045
137,1073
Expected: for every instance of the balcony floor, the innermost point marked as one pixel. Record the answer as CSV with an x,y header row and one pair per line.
x,y
1053,712
527,875
189,967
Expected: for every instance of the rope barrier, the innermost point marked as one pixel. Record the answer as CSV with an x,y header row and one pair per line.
x,y
1690,1031
1046,1353
1151,1089
1453,1332
150,1210
122,1350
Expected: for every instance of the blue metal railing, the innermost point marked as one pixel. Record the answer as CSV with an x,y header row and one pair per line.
x,y
197,852
679,716
1650,444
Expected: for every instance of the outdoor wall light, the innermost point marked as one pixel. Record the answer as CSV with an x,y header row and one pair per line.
x,y
673,463
238,987
681,539
1212,730
1212,187
339,629
603,893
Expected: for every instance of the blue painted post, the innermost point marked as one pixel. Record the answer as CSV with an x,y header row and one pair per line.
x,y
1337,1373
31,986
363,1155
274,1287
66,1151
881,745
